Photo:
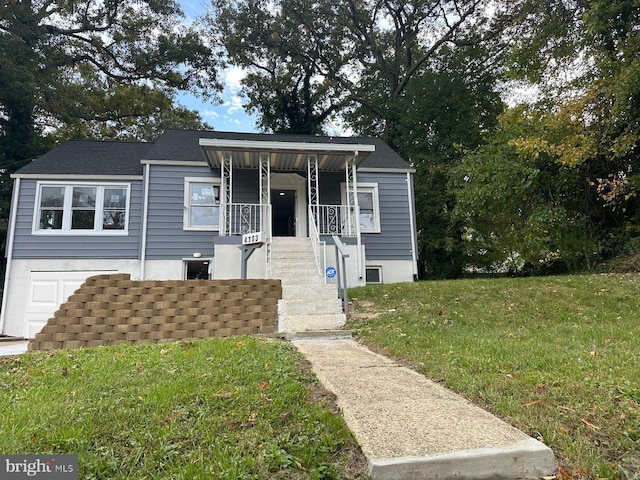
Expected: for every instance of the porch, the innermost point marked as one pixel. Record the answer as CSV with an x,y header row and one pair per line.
x,y
288,189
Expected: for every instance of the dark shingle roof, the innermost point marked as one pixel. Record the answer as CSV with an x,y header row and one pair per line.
x,y
182,145
88,157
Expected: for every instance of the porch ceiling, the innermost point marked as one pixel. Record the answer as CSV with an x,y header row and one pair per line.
x,y
284,155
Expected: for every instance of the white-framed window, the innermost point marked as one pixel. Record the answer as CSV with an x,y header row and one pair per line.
x,y
373,274
81,208
201,204
197,269
369,206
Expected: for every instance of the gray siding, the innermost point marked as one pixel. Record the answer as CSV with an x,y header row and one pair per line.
x,y
27,245
166,237
394,240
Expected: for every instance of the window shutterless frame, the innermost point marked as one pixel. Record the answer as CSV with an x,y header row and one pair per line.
x,y
201,204
81,208
369,206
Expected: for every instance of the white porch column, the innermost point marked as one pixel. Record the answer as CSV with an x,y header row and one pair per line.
x,y
265,194
312,186
226,175
354,217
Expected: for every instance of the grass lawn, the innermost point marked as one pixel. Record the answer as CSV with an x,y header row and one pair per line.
x,y
558,357
238,408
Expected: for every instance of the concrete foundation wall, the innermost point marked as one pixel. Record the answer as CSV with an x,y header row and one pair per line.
x,y
227,262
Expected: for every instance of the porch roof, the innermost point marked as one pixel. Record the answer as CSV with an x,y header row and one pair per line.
x,y
284,155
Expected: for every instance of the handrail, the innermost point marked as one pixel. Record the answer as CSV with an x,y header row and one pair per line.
x,y
317,245
342,252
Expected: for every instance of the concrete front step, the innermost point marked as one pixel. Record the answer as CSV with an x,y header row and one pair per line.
x,y
319,291
297,278
308,306
295,253
302,323
319,335
307,262
303,269
308,303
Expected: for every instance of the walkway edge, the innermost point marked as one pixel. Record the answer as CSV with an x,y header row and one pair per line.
x,y
526,459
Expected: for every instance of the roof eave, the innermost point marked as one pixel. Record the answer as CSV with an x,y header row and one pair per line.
x,y
282,153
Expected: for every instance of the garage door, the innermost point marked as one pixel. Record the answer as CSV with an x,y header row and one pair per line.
x,y
49,290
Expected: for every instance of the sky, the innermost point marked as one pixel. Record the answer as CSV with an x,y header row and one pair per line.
x,y
228,116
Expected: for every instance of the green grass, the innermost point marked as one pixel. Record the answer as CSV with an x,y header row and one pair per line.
x,y
208,409
558,357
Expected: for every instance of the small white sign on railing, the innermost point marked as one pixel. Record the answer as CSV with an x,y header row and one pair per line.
x,y
252,238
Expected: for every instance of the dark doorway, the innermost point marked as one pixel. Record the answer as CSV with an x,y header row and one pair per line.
x,y
283,206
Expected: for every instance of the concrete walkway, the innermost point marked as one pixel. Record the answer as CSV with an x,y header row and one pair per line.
x,y
411,428
13,347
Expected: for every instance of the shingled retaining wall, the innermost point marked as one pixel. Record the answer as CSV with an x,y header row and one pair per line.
x,y
113,309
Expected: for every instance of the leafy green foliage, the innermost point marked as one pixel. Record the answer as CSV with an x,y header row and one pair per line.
x,y
554,356
278,46
310,60
220,408
77,61
558,181
92,69
442,111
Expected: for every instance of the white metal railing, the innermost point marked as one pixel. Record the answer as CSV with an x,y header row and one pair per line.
x,y
335,220
241,218
341,255
319,250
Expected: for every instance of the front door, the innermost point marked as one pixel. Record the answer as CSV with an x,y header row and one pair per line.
x,y
283,207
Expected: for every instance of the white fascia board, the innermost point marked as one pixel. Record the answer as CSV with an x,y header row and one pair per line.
x,y
62,176
190,163
270,146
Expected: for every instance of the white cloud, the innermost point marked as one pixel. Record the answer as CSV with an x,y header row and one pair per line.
x,y
233,105
210,114
233,79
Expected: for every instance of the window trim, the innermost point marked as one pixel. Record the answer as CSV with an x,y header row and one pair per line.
x,y
67,209
373,188
186,218
377,268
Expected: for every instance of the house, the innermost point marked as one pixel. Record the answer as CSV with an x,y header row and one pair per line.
x,y
178,209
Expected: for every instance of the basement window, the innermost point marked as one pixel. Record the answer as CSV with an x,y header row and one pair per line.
x,y
373,274
197,269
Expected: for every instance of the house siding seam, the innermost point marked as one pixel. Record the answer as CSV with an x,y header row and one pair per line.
x,y
69,246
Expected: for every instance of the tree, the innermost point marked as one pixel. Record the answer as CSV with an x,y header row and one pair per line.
x,y
317,58
125,112
78,67
445,111
520,206
284,84
58,59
